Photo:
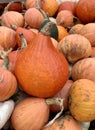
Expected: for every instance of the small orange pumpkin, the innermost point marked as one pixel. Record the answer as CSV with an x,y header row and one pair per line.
x,y
86,13
32,3
84,68
27,111
75,47
8,82
67,5
50,7
64,18
76,29
12,18
88,31
82,100
33,17
7,37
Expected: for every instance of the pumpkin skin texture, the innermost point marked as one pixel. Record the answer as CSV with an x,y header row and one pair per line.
x,y
86,13
40,68
32,112
8,84
84,69
88,31
75,47
12,17
7,38
76,29
82,100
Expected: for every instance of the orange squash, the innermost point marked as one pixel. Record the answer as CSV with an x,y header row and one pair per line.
x,y
82,100
67,5
50,7
84,68
64,18
75,47
76,29
33,17
7,38
88,31
8,82
40,68
12,17
86,13
30,114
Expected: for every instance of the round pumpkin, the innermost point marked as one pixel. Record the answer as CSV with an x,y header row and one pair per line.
x,y
86,13
82,100
75,47
84,68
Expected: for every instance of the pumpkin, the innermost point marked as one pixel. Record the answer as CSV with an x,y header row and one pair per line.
x,y
12,17
31,111
64,18
32,3
66,122
75,47
76,29
86,13
46,68
82,101
63,93
67,5
50,7
7,37
8,82
84,68
33,17
88,31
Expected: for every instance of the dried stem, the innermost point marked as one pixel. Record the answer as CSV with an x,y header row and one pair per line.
x,y
4,56
57,101
23,41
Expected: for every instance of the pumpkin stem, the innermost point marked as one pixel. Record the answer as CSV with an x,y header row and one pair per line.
x,y
23,41
42,12
14,27
57,101
4,56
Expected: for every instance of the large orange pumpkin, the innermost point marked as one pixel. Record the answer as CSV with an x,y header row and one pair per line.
x,y
40,69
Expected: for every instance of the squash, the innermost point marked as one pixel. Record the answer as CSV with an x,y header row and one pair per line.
x,y
85,13
30,113
84,68
75,47
82,100
41,69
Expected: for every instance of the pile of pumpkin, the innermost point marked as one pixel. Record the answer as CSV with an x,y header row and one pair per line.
x,y
47,65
